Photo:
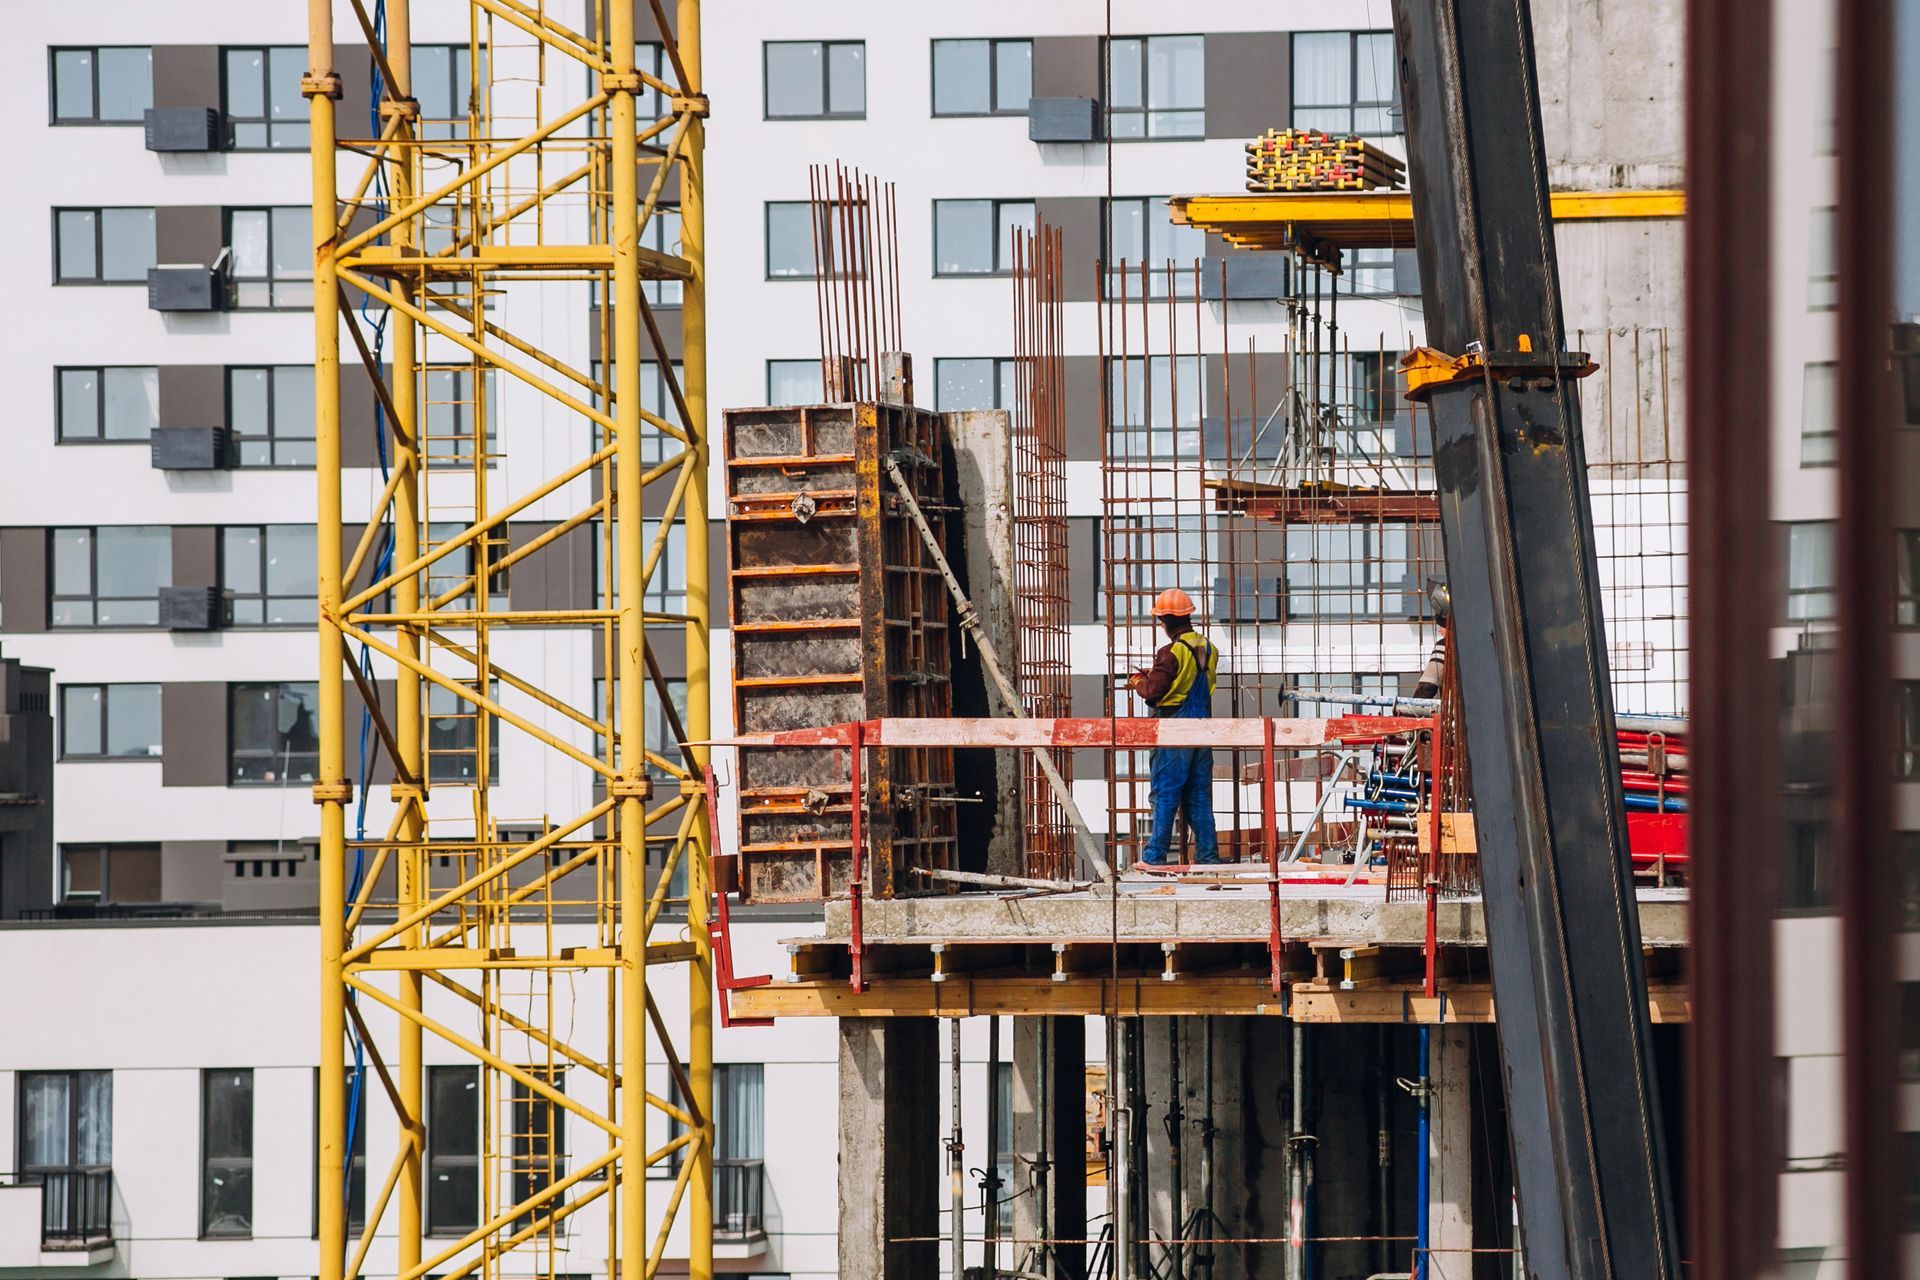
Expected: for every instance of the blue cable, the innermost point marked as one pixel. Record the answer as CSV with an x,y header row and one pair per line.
x,y
383,564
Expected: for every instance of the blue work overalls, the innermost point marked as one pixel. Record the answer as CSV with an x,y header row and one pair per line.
x,y
1183,776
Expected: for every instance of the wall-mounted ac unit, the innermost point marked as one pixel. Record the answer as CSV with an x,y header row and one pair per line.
x,y
183,129
191,449
193,608
1063,119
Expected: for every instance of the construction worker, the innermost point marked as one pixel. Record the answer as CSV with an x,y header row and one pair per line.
x,y
1174,687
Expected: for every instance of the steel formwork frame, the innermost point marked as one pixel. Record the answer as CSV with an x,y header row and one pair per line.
x,y
472,913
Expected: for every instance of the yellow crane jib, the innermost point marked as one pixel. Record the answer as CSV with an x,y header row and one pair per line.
x,y
1424,368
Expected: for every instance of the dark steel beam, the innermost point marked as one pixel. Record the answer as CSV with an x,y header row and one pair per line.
x,y
1564,935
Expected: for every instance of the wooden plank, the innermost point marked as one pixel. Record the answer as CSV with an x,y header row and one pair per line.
x,y
1094,733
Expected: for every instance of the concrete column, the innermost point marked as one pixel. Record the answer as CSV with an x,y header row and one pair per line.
x,y
1450,1150
1049,1140
889,1148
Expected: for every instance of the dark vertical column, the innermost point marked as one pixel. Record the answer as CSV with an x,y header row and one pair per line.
x,y
1049,1140
1510,461
889,1149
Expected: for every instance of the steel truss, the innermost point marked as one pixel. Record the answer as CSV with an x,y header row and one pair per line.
x,y
459,935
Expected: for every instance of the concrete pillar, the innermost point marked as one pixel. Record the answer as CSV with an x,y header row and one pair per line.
x,y
889,1148
1049,1140
1450,1151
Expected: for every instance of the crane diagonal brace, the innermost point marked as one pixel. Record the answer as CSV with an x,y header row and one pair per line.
x,y
1510,462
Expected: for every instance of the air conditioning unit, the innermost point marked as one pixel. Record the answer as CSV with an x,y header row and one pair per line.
x,y
183,129
190,286
1063,119
191,449
193,608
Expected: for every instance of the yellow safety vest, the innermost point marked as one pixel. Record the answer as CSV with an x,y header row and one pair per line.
x,y
1187,646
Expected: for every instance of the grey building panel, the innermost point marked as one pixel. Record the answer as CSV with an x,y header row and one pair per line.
x,y
1249,82
358,447
1084,435
193,870
23,579
26,768
193,395
559,575
196,556
1066,67
186,75
356,94
1083,548
187,234
1078,218
193,734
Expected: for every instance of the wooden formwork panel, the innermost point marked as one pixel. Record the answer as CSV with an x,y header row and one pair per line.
x,y
838,613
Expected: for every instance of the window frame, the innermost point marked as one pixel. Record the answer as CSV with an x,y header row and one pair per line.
x,y
93,596
234,693
356,1198
1828,588
228,118
1003,368
464,713
1146,110
106,716
97,279
264,596
1819,449
1906,578
994,108
462,402
272,280
1182,283
995,204
34,1172
274,440
1353,103
100,436
813,266
818,371
207,1162
826,81
1907,718
430,1159
93,121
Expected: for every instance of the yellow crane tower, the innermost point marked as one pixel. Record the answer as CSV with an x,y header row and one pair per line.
x,y
458,935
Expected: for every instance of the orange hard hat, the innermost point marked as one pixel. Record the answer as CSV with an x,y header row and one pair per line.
x,y
1173,603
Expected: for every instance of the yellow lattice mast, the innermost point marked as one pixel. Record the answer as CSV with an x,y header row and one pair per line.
x,y
458,934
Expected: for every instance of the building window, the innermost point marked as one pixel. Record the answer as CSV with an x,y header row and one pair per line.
x,y
1823,267
109,403
1910,1182
815,79
1350,571
1807,886
270,412
1906,577
1156,87
658,736
66,1127
357,1145
792,382
453,1150
102,246
539,1139
1003,1142
667,586
1907,847
272,261
656,397
1155,404
1817,398
1810,571
226,1153
1345,82
975,237
739,1146
443,83
109,873
260,95
453,414
1907,698
102,85
1142,235
453,736
1371,272
974,383
273,733
662,235
109,721
110,576
1172,547
982,77
790,239
270,569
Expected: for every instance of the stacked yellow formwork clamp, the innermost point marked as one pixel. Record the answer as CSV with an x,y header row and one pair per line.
x,y
459,937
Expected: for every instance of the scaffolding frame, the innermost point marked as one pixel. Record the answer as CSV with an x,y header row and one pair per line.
x,y
440,226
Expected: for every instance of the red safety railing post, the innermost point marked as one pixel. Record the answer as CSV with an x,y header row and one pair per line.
x,y
1270,833
856,947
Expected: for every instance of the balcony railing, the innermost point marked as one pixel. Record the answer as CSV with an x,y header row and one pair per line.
x,y
75,1205
738,1187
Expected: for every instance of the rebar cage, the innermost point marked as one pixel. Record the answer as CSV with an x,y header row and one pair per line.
x,y
516,952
